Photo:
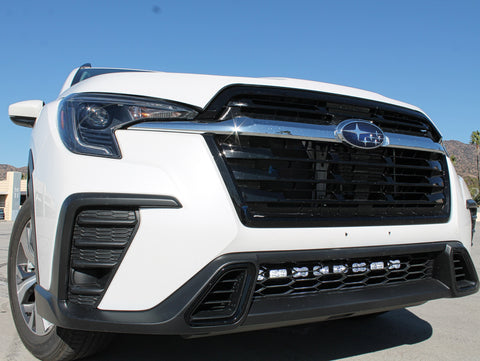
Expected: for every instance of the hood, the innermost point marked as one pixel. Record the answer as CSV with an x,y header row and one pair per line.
x,y
198,90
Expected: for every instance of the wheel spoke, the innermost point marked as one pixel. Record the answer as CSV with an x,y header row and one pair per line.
x,y
24,286
31,321
39,326
46,324
28,308
22,274
26,242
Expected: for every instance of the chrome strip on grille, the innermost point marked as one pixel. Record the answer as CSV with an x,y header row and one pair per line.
x,y
281,129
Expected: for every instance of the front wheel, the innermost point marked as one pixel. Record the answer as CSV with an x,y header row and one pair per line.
x,y
42,338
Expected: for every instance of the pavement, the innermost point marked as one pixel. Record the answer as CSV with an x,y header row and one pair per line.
x,y
443,329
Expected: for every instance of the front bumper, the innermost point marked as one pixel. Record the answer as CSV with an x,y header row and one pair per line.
x,y
452,274
184,240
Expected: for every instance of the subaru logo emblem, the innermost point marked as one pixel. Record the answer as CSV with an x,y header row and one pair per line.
x,y
361,134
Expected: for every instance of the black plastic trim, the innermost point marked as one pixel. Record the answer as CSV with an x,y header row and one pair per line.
x,y
169,317
70,208
336,304
246,293
471,277
473,208
30,168
227,177
113,266
30,192
27,122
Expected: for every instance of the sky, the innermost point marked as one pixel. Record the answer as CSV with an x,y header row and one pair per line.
x,y
422,52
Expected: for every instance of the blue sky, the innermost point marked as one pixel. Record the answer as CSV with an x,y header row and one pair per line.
x,y
422,52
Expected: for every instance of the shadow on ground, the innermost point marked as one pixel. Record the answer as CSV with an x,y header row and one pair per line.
x,y
320,341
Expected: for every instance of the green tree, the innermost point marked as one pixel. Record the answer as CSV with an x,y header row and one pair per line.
x,y
475,139
453,159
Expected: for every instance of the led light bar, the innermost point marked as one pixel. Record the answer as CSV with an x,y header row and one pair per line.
x,y
300,272
319,270
322,270
359,267
278,273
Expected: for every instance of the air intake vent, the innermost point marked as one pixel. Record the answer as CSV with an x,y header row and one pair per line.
x,y
225,299
465,279
100,240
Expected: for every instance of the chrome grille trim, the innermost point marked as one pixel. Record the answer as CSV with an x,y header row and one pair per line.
x,y
281,129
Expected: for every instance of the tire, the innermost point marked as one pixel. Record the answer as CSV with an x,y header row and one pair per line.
x,y
43,339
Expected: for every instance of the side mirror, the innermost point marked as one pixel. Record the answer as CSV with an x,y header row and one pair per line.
x,y
25,113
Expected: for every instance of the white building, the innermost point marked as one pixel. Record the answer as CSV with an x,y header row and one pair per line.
x,y
13,192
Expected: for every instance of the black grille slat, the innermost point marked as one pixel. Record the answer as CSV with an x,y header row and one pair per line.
x,y
341,202
106,217
102,237
86,291
317,111
459,267
94,243
283,178
398,125
232,154
84,299
250,176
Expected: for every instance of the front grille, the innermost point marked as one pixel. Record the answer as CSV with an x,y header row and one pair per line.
x,y
299,278
291,182
324,113
301,106
100,240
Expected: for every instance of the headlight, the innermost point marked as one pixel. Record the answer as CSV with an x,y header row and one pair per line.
x,y
87,122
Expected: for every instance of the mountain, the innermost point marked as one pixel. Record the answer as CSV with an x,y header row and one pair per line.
x,y
4,168
465,159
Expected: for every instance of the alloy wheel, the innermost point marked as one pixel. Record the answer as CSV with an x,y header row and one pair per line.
x,y
26,279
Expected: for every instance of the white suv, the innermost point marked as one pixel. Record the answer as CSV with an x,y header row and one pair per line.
x,y
194,204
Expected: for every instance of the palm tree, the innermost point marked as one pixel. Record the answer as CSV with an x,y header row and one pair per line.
x,y
475,139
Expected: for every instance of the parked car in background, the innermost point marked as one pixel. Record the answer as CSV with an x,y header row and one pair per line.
x,y
182,204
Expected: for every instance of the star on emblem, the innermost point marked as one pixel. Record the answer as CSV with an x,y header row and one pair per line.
x,y
356,131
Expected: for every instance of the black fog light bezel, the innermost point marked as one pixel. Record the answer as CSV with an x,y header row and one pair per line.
x,y
240,298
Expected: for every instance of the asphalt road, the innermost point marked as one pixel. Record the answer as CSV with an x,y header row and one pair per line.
x,y
439,330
